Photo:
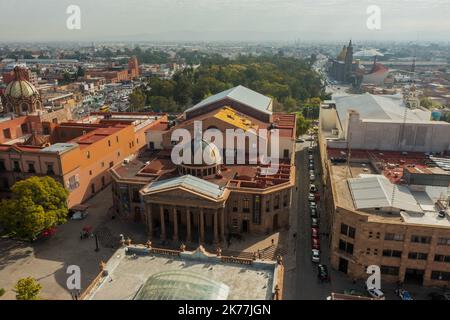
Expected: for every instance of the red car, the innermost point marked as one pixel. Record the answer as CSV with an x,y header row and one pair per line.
x,y
315,233
315,243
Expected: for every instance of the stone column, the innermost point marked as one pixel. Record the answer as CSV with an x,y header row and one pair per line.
x,y
175,224
222,224
149,221
202,226
188,225
216,227
163,226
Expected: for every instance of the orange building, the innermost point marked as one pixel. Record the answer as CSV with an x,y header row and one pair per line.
x,y
77,154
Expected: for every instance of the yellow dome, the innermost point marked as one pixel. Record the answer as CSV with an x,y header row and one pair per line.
x,y
20,89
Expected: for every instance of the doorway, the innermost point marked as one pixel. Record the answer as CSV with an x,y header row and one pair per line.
x,y
414,276
343,265
245,226
275,222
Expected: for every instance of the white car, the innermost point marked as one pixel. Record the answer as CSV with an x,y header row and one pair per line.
x,y
376,293
312,177
311,157
315,256
311,197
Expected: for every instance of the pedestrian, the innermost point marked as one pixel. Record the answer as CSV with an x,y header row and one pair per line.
x,y
273,241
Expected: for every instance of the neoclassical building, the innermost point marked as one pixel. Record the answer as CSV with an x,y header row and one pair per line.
x,y
204,202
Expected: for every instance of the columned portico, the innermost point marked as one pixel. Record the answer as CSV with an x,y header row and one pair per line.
x,y
162,222
188,224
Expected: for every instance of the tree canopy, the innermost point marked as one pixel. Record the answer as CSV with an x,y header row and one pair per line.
x,y
27,289
37,203
289,81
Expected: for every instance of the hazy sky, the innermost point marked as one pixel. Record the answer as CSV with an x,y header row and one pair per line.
x,y
42,20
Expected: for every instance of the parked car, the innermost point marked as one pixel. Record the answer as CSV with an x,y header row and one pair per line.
x,y
312,188
376,293
310,150
311,197
313,213
315,233
403,294
311,157
314,222
312,205
323,273
315,243
315,256
439,296
312,177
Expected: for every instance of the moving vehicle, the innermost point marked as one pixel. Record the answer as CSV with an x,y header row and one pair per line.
x,y
403,294
315,256
376,293
323,273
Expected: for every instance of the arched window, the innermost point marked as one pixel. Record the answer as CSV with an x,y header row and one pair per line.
x,y
24,107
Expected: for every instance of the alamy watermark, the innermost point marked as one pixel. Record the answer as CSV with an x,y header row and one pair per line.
x,y
374,19
241,147
73,22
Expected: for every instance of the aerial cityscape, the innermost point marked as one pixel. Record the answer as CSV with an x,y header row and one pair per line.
x,y
162,160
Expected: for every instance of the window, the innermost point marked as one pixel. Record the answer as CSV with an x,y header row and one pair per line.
x,y
246,205
24,128
392,253
444,241
391,271
235,206
420,239
440,275
276,204
257,209
136,197
368,251
7,133
346,246
88,154
2,165
268,205
375,252
111,164
378,235
31,168
417,256
137,141
16,166
118,153
90,172
109,143
394,237
441,258
117,139
50,170
73,183
102,164
285,200
348,231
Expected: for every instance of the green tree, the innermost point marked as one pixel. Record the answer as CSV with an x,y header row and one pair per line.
x,y
2,291
27,289
426,102
37,203
302,124
137,100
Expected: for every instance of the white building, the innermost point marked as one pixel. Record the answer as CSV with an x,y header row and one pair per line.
x,y
381,122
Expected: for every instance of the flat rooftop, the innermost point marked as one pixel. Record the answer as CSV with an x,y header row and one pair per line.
x,y
362,165
128,272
